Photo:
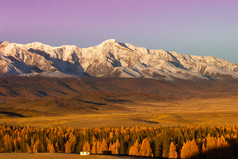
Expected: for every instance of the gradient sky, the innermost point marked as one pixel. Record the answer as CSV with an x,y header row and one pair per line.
x,y
196,27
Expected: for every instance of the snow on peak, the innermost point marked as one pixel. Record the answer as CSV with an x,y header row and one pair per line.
x,y
5,43
110,41
39,45
111,59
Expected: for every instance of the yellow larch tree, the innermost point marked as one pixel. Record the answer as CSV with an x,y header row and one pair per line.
x,y
116,147
103,146
86,146
194,148
189,149
99,147
52,148
94,148
135,149
111,147
211,142
56,147
48,146
67,147
145,149
172,151
35,147
28,148
204,150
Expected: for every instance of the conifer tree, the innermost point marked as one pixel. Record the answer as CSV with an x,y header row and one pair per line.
x,y
99,147
158,146
185,151
122,147
52,149
116,147
94,148
15,145
135,149
194,148
211,142
189,149
172,151
103,146
56,147
145,148
225,150
211,145
28,148
23,146
166,144
35,147
48,146
67,147
111,147
8,143
86,146
203,148
72,141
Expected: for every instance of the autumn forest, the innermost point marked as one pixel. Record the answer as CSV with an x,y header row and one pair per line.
x,y
163,142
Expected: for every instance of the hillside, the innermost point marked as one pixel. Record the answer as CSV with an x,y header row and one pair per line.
x,y
31,87
40,96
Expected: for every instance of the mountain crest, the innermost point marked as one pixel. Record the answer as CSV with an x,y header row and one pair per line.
x,y
4,44
110,59
110,41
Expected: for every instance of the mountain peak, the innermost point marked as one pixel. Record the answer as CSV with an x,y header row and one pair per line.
x,y
4,43
110,41
36,43
111,59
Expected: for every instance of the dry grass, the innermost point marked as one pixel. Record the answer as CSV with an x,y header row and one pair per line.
x,y
99,102
203,111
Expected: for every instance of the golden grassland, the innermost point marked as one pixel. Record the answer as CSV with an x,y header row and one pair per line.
x,y
202,111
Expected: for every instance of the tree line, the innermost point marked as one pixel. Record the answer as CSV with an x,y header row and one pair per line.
x,y
167,142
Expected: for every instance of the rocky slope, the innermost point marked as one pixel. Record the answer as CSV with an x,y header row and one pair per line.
x,y
110,59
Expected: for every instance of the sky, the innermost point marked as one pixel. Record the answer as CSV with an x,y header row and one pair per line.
x,y
195,27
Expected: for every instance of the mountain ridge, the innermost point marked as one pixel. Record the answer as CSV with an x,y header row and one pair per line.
x,y
110,59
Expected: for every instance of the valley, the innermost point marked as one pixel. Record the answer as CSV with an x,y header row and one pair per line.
x,y
37,104
94,103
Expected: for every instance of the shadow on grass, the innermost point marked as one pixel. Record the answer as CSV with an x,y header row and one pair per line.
x,y
11,114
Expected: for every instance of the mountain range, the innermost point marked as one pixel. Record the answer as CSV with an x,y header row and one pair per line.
x,y
110,59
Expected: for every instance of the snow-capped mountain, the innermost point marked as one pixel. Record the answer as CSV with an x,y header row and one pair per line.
x,y
110,59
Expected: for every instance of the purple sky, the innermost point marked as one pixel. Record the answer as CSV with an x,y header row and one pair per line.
x,y
197,27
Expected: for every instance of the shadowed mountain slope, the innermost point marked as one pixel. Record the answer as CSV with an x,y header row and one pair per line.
x,y
31,87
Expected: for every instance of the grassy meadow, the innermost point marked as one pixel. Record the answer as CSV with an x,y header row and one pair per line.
x,y
201,111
